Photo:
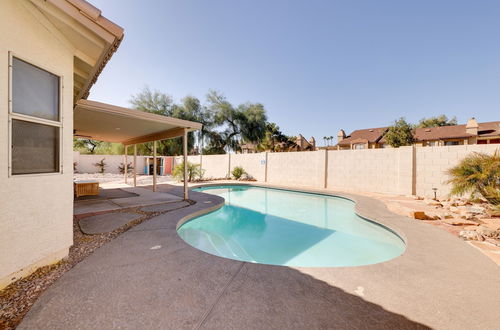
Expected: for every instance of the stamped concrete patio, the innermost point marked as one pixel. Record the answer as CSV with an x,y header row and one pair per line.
x,y
150,278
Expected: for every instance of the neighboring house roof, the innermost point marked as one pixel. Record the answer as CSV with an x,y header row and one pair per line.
x,y
370,135
93,37
441,132
455,132
491,128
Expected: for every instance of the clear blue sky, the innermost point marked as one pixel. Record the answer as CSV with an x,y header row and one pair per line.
x,y
317,66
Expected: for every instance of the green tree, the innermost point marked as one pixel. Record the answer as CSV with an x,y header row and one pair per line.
x,y
478,173
162,104
441,120
86,146
245,122
399,134
273,139
153,101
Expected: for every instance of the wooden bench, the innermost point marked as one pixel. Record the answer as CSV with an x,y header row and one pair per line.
x,y
86,188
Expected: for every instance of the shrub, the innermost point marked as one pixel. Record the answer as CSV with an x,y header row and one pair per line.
x,y
121,168
238,172
101,165
194,171
477,174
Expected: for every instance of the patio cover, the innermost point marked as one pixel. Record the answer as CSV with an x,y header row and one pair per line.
x,y
106,122
110,123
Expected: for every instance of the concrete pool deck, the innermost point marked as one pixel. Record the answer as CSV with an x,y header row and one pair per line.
x,y
149,277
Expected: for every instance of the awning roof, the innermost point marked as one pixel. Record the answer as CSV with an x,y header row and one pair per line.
x,y
106,122
81,27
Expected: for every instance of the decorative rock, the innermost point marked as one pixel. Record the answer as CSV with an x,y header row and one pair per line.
x,y
447,216
460,222
419,215
476,209
470,235
432,202
488,232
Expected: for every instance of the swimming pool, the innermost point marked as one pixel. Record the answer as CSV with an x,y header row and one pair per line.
x,y
289,228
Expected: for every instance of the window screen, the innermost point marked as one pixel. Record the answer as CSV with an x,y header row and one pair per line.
x,y
35,148
35,92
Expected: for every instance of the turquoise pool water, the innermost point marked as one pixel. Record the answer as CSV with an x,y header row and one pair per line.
x,y
282,227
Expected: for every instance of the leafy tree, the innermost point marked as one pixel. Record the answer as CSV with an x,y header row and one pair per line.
x,y
478,173
274,139
245,122
153,101
441,120
399,134
162,104
87,146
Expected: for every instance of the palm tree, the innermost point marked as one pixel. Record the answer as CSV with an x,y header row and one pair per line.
x,y
325,138
478,173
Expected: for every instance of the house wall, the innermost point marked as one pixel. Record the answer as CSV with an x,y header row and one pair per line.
x,y
36,211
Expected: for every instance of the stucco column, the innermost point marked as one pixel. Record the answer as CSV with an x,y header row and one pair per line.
x,y
184,154
125,165
135,165
154,166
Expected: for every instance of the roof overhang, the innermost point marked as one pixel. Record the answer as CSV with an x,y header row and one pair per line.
x,y
92,38
106,122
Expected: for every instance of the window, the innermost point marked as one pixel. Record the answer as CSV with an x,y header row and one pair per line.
x,y
451,143
35,119
359,146
432,143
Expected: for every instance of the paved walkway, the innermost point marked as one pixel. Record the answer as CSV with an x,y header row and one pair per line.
x,y
150,278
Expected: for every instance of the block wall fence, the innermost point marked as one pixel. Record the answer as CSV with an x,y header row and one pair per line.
x,y
400,171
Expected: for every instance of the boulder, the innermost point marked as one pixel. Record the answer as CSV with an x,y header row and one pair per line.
x,y
470,235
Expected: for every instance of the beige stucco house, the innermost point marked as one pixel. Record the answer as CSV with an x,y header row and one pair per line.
x,y
51,53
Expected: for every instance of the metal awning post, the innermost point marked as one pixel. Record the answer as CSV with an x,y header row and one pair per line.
x,y
125,165
184,152
154,165
135,165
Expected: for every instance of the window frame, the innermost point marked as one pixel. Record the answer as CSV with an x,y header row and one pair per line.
x,y
22,117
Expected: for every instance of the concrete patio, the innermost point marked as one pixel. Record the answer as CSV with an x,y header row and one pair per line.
x,y
135,197
150,278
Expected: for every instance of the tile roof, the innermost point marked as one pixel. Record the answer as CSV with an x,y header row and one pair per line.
x,y
457,131
370,135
